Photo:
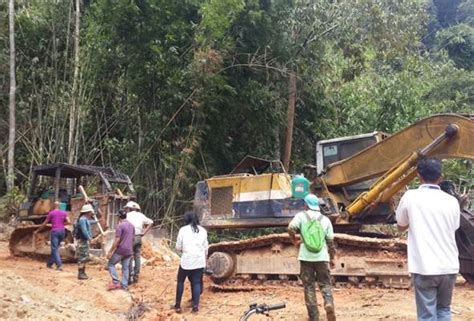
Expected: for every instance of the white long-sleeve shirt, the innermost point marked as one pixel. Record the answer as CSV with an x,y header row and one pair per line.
x,y
193,247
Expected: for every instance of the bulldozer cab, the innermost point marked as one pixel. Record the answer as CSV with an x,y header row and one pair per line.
x,y
107,189
60,182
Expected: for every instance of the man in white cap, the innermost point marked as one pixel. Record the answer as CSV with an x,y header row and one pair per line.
x,y
314,262
142,225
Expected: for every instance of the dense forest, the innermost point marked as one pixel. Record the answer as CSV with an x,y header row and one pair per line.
x,y
171,92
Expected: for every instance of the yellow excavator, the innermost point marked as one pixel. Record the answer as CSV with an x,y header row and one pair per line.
x,y
359,180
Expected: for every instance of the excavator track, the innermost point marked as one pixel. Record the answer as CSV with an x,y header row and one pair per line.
x,y
465,242
268,260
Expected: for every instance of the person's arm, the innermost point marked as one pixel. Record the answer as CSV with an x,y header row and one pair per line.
x,y
43,225
118,236
206,243
85,231
114,247
402,214
67,221
331,245
179,241
293,229
148,224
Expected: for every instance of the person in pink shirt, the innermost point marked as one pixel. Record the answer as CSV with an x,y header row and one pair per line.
x,y
57,218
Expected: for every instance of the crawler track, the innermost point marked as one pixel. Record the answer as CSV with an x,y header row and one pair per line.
x,y
271,260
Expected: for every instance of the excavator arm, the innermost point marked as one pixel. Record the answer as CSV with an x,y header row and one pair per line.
x,y
394,161
378,159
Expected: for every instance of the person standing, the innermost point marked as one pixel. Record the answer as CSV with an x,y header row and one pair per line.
x,y
431,217
58,218
314,265
84,237
121,251
142,225
192,244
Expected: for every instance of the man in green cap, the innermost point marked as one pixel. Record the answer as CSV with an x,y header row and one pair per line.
x,y
314,265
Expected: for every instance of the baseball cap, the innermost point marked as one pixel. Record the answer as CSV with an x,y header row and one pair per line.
x,y
312,201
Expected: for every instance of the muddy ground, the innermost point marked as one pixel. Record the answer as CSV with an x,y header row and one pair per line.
x,y
28,290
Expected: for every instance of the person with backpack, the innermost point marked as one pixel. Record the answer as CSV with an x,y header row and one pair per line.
x,y
316,249
83,235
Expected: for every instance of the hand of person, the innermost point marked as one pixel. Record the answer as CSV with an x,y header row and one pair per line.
x,y
332,264
109,255
297,242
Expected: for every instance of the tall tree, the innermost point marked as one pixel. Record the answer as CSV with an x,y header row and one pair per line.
x,y
74,111
12,121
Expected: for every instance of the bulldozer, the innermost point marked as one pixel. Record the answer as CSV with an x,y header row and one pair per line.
x,y
72,186
359,180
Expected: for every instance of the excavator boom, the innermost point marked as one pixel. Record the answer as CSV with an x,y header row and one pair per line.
x,y
398,147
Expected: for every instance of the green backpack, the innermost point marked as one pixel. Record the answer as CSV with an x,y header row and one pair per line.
x,y
312,233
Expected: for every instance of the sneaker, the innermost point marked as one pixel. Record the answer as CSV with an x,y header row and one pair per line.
x,y
195,310
177,309
113,286
59,269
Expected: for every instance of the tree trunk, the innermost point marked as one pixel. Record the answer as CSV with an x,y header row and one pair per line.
x,y
290,121
73,111
11,104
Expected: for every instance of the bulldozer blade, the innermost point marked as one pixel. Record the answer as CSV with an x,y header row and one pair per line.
x,y
23,242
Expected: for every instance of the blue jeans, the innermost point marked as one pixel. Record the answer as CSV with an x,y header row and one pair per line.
x,y
433,294
124,261
56,238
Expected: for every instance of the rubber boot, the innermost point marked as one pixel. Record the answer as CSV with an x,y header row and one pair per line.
x,y
329,307
82,274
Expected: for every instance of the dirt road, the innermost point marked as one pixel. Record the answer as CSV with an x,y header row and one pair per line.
x,y
28,290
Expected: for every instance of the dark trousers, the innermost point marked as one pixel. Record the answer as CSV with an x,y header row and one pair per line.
x,y
56,238
194,277
433,295
135,261
310,273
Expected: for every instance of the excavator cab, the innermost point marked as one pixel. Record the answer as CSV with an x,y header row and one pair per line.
x,y
257,193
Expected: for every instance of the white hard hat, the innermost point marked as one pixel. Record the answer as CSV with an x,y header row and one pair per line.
x,y
87,208
132,205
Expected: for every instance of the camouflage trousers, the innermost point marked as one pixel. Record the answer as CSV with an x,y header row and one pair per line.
x,y
310,273
82,253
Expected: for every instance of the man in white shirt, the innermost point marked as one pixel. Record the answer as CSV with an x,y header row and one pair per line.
x,y
431,217
142,225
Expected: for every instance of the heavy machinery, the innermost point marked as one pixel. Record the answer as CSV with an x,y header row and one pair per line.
x,y
358,180
108,190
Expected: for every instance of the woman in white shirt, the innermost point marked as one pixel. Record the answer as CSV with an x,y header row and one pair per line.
x,y
192,244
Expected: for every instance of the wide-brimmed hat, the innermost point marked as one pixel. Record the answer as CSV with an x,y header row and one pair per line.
x,y
87,208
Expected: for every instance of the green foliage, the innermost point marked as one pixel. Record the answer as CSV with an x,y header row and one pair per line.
x,y
172,92
459,42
